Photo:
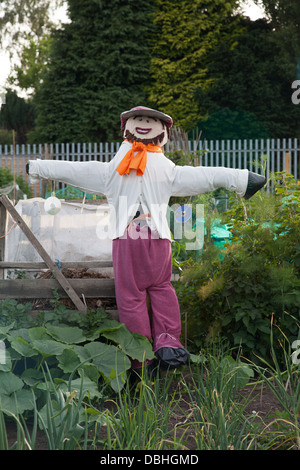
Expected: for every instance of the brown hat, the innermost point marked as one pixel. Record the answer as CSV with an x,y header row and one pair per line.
x,y
143,111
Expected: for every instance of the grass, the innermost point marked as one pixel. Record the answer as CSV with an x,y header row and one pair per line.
x,y
141,419
220,419
283,380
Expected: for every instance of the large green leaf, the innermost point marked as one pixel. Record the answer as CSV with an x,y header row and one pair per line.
x,y
9,383
19,332
4,330
66,334
38,333
89,387
32,377
68,360
17,402
134,345
48,347
24,348
111,361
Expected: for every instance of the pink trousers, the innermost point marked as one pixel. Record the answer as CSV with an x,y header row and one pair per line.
x,y
143,263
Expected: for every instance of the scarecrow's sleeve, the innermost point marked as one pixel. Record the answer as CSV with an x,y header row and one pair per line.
x,y
88,176
191,181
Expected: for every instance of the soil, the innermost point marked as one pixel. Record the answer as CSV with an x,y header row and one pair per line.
x,y
75,273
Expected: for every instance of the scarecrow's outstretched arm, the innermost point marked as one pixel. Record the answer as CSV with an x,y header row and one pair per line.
x,y
191,181
87,176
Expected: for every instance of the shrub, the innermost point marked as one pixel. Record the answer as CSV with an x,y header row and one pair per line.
x,y
258,277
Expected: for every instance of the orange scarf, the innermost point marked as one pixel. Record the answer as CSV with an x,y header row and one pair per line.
x,y
136,162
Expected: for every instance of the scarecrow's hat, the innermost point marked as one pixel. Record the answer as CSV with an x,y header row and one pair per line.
x,y
143,111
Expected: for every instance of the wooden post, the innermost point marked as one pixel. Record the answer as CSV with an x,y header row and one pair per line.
x,y
288,162
44,255
47,156
2,237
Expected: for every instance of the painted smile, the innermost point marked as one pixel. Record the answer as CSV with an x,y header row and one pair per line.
x,y
140,130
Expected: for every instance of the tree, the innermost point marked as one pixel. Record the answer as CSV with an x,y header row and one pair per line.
x,y
251,96
21,20
18,115
98,67
284,16
34,61
186,32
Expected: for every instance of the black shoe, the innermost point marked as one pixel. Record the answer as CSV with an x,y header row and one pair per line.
x,y
171,358
255,182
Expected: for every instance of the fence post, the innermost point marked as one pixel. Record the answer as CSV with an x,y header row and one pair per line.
x,y
2,235
288,162
47,156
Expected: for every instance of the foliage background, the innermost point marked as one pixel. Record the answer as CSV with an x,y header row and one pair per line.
x,y
239,293
202,62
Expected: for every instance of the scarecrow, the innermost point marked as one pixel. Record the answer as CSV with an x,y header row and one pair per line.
x,y
138,183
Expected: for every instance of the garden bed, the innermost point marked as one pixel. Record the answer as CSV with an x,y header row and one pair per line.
x,y
260,401
108,303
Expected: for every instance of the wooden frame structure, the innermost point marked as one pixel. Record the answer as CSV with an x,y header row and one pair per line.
x,y
76,289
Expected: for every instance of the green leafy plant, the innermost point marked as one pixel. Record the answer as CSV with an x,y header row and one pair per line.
x,y
65,417
221,421
103,351
257,277
6,178
142,418
282,378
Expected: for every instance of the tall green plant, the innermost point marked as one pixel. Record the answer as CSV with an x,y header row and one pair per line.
x,y
65,416
258,276
24,440
282,378
221,421
142,418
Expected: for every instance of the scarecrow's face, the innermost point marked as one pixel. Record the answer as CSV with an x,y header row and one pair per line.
x,y
146,129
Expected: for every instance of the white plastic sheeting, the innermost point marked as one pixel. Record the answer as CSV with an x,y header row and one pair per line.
x,y
70,235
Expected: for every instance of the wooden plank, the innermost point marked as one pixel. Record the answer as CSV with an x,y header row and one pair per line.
x,y
44,255
288,162
64,265
2,237
43,288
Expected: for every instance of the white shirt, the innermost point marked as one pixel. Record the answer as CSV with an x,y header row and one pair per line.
x,y
161,180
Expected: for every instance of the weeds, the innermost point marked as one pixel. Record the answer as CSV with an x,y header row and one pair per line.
x,y
142,418
220,420
284,382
